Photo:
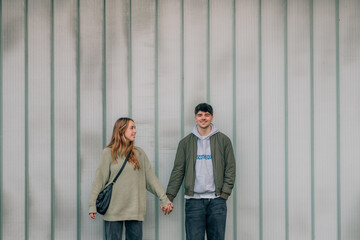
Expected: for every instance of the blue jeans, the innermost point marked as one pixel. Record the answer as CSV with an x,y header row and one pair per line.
x,y
114,230
205,215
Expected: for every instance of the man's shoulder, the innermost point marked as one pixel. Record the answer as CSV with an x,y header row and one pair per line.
x,y
187,138
221,136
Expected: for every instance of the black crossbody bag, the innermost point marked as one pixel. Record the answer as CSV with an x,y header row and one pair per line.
x,y
104,197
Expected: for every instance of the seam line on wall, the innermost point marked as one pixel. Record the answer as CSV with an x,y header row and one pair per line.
x,y
78,137
156,92
52,124
260,126
208,53
286,96
182,100
103,83
26,119
130,63
104,76
234,118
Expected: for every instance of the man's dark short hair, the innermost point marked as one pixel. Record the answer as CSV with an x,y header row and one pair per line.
x,y
204,107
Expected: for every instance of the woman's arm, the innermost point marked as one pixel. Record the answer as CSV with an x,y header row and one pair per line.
x,y
101,178
152,183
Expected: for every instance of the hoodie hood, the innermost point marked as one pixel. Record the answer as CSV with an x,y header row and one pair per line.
x,y
197,134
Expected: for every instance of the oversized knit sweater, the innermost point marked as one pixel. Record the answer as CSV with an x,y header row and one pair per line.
x,y
128,200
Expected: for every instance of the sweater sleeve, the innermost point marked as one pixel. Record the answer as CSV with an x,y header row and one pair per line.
x,y
152,183
101,178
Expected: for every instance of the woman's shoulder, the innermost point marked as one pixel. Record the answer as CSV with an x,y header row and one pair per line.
x,y
107,150
105,156
138,150
140,153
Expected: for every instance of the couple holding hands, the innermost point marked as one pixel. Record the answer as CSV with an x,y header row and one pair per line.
x,y
204,161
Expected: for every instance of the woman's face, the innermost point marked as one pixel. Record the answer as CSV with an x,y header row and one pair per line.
x,y
130,131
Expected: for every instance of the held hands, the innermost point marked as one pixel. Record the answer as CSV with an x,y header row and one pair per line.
x,y
168,209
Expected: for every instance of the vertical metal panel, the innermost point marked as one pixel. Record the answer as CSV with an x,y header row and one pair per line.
x,y
91,106
221,77
299,120
39,120
65,132
286,118
117,52
349,58
260,87
325,120
273,118
338,132
312,160
247,63
195,82
14,122
143,91
169,107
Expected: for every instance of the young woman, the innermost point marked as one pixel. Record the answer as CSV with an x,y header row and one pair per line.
x,y
128,199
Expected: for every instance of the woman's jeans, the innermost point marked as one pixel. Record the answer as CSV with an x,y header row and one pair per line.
x,y
114,230
205,215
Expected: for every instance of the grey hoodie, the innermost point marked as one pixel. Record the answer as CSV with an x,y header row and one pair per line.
x,y
204,179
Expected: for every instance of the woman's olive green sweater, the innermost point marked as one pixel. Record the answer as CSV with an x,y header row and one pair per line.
x,y
128,200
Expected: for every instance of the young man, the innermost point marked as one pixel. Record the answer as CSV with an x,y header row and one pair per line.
x,y
205,158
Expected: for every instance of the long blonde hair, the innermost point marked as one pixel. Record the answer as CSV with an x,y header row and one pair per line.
x,y
120,145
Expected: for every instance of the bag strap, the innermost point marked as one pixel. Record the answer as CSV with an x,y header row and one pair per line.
x,y
122,168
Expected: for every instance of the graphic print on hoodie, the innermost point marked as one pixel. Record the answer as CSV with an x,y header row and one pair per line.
x,y
204,178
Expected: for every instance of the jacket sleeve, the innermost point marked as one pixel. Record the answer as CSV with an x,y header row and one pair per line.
x,y
101,178
177,174
230,169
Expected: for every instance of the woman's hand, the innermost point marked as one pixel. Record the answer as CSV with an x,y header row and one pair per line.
x,y
93,215
168,209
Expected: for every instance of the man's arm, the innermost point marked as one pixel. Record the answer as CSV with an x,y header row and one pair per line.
x,y
230,170
177,174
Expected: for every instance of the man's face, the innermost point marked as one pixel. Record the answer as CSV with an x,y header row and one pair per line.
x,y
203,119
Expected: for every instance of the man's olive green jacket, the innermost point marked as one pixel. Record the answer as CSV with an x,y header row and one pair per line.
x,y
184,166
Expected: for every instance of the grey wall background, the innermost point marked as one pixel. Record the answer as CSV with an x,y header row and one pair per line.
x,y
282,76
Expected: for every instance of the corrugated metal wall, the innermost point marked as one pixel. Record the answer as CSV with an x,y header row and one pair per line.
x,y
283,77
